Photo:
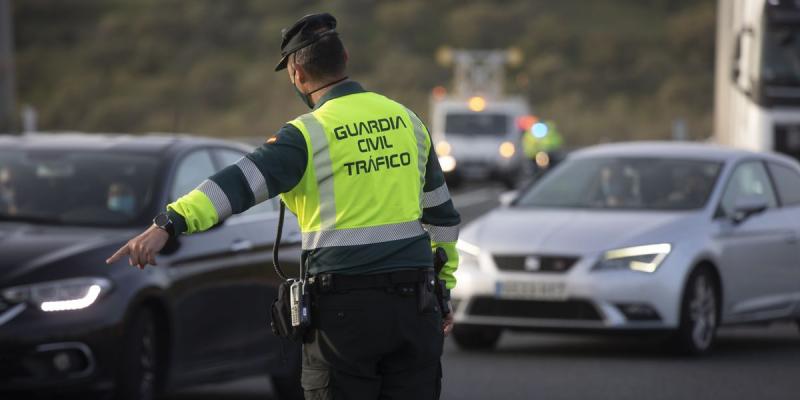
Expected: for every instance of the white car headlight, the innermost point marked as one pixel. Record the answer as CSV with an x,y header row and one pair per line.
x,y
468,255
443,148
507,149
448,163
61,295
639,258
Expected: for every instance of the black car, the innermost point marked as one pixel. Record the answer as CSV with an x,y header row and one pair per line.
x,y
69,322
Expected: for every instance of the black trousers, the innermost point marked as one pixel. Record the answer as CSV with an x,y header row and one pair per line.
x,y
374,344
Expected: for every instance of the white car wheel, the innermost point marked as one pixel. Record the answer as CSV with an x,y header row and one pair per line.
x,y
699,313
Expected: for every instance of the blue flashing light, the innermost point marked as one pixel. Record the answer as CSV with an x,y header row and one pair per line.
x,y
539,130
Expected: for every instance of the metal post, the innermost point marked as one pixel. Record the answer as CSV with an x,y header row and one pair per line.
x,y
7,100
479,72
723,82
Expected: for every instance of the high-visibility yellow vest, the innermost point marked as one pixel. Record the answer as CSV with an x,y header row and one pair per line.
x,y
365,172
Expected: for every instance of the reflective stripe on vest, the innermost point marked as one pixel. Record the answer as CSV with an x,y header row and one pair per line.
x,y
218,198
255,179
323,168
361,236
436,197
422,154
442,233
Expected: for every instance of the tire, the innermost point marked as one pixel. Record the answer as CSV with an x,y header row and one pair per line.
x,y
699,318
469,337
140,364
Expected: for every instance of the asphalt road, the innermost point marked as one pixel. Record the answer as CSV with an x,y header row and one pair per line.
x,y
748,362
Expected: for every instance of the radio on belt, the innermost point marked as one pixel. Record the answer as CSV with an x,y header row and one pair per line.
x,y
299,304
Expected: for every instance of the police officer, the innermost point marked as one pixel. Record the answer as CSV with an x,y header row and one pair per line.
x,y
360,173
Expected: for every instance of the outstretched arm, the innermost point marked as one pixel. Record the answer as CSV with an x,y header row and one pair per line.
x,y
273,168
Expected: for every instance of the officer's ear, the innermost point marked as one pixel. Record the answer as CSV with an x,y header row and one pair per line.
x,y
300,74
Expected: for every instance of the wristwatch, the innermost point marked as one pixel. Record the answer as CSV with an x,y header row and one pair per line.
x,y
163,221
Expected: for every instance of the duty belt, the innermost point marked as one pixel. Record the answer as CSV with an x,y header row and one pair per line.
x,y
328,282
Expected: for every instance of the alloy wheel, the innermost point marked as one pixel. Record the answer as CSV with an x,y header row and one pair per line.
x,y
703,312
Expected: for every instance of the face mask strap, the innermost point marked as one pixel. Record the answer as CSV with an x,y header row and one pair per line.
x,y
306,97
326,85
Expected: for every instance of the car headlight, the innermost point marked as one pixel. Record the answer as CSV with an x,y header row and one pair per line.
x,y
639,258
542,159
507,149
443,148
448,163
61,295
468,255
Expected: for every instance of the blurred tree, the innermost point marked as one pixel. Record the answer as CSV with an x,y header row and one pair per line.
x,y
610,70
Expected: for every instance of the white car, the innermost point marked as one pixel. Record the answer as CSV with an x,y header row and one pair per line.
x,y
669,237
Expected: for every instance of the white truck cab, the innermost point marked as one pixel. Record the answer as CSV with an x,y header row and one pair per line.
x,y
479,138
757,88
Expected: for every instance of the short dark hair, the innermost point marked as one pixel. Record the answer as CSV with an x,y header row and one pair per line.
x,y
322,59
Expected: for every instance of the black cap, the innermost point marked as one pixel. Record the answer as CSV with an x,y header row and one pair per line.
x,y
305,32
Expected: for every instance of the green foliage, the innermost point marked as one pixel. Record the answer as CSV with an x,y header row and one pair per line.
x,y
603,70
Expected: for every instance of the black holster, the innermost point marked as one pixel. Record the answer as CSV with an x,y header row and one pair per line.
x,y
282,315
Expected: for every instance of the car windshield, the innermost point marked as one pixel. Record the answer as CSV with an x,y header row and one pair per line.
x,y
625,183
75,188
476,124
781,59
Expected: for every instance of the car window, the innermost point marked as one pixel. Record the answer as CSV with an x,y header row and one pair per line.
x,y
787,182
86,187
476,124
748,180
640,183
228,157
193,170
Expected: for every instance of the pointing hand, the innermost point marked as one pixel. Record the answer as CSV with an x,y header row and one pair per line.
x,y
142,249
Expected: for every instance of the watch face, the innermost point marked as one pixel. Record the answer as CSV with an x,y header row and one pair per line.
x,y
161,220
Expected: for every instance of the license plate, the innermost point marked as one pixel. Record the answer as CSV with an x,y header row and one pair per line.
x,y
531,290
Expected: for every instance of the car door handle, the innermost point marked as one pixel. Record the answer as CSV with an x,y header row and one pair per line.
x,y
240,245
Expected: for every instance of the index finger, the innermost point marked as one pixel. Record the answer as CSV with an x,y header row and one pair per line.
x,y
123,251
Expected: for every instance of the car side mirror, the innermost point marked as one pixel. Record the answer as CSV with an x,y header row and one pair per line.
x,y
506,198
748,206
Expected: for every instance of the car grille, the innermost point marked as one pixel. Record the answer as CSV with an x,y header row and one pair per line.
x,y
534,263
567,310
